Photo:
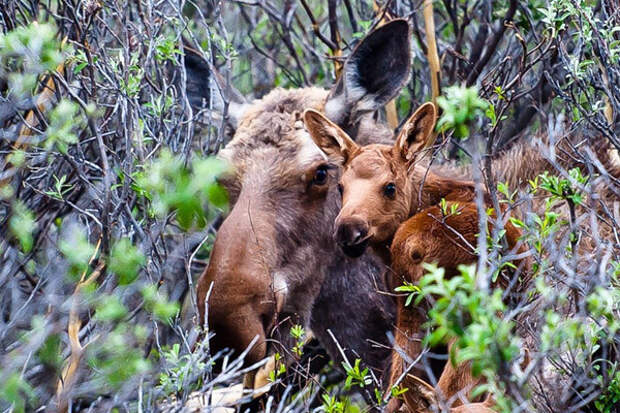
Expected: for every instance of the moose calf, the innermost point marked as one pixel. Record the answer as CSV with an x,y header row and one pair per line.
x,y
447,236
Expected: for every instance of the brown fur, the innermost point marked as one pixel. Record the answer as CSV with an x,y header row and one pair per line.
x,y
366,210
368,169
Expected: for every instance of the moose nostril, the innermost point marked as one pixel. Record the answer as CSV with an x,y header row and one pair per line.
x,y
357,235
354,234
351,233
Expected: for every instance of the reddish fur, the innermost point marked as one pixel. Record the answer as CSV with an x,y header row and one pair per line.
x,y
423,399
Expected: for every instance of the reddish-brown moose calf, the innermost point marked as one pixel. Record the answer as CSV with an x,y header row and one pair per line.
x,y
448,240
423,398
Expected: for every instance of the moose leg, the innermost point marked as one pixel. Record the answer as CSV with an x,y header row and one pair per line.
x,y
456,382
407,340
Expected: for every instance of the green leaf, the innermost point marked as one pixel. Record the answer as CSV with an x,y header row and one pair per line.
x,y
22,225
110,308
125,261
158,304
78,251
50,352
217,195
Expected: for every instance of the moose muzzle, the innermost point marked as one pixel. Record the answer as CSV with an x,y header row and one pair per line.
x,y
352,235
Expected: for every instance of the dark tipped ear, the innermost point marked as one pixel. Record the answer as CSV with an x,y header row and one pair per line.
x,y
207,89
328,136
416,132
374,73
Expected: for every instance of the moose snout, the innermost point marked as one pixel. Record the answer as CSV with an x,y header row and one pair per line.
x,y
352,236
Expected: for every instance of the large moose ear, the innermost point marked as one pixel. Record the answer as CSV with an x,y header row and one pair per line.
x,y
374,73
207,89
416,132
329,137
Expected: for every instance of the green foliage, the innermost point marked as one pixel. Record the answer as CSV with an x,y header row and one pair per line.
x,y
81,61
394,391
158,304
446,211
188,191
27,52
365,27
411,290
35,44
63,121
50,352
542,228
298,333
460,106
78,252
332,405
279,370
226,50
356,376
609,400
118,358
125,261
604,303
178,370
22,224
166,49
490,113
131,84
17,157
502,188
159,105
561,188
601,49
15,390
110,308
60,188
474,318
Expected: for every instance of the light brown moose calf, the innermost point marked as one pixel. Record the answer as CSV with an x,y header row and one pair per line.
x,y
381,187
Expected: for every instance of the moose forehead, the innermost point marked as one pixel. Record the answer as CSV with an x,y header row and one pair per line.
x,y
280,151
370,162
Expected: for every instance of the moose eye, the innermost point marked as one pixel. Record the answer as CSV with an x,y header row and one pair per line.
x,y
320,175
389,190
416,256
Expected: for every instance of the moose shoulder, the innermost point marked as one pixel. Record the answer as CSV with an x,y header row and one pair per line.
x,y
274,262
